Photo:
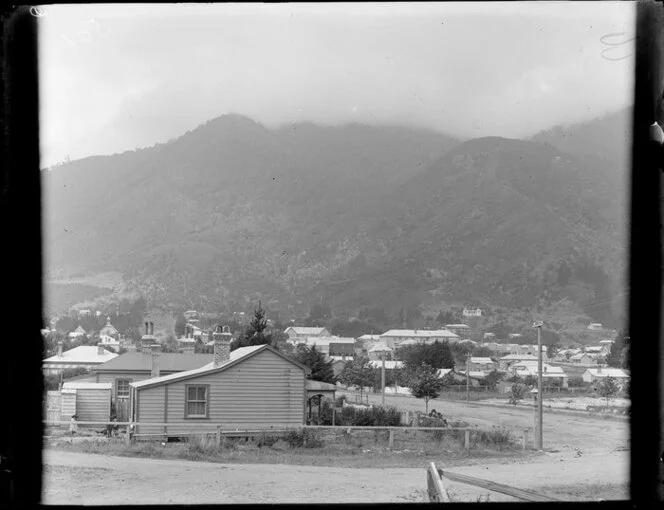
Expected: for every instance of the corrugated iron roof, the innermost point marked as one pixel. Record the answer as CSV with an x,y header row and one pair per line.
x,y
168,362
420,333
480,360
305,330
318,386
82,354
87,386
236,356
341,349
606,372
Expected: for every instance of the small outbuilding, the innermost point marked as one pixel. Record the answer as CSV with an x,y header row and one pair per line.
x,y
89,401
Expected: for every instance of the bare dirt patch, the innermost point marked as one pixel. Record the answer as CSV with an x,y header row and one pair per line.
x,y
76,478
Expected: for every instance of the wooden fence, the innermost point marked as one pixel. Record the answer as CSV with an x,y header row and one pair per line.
x,y
219,432
438,493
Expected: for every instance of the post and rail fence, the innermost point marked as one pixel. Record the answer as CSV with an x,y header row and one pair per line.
x,y
219,432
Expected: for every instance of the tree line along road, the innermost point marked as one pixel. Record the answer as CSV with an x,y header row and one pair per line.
x,y
561,431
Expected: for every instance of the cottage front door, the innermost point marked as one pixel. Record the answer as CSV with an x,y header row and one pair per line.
x,y
122,409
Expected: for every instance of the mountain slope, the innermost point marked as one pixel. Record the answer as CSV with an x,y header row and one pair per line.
x,y
229,209
492,221
363,216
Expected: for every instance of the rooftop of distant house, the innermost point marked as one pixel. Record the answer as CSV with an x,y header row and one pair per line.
x,y
306,330
168,362
422,333
83,354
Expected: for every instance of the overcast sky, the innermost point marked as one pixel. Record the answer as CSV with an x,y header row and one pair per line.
x,y
118,77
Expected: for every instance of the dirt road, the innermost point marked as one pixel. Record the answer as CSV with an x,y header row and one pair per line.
x,y
79,478
561,431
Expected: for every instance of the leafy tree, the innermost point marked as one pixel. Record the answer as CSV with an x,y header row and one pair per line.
x,y
180,323
607,388
530,380
357,372
482,351
255,333
170,344
492,379
446,317
625,354
321,369
500,329
353,329
437,355
517,393
426,384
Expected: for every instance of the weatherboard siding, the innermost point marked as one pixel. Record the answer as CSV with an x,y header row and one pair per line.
x,y
264,390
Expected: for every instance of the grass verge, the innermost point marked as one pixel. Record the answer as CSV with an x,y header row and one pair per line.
x,y
364,449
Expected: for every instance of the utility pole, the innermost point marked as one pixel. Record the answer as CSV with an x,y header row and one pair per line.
x,y
382,375
468,378
540,439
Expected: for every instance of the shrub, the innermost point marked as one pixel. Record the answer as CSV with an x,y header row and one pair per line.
x,y
369,417
303,438
575,382
339,401
497,438
267,440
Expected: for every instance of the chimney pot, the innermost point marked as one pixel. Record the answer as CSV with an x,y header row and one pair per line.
x,y
151,328
147,330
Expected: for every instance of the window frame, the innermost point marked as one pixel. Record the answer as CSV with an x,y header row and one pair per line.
x,y
117,387
187,416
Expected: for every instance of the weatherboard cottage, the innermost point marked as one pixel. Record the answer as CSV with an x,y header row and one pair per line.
x,y
253,386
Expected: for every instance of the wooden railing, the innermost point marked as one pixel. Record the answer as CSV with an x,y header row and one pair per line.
x,y
220,431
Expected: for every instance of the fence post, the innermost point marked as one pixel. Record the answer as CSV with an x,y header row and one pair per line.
x,y
525,438
128,435
218,437
467,440
391,440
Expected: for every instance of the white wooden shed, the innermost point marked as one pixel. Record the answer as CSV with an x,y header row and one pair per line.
x,y
89,401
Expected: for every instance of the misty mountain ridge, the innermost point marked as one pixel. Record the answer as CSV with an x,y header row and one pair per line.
x,y
360,215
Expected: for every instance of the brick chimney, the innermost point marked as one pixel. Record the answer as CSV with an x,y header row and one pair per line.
x,y
59,349
154,366
100,349
222,345
599,369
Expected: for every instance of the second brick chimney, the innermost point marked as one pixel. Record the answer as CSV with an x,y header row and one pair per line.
x,y
222,345
154,366
59,349
100,349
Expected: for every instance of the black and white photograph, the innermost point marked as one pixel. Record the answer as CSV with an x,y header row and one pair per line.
x,y
336,252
